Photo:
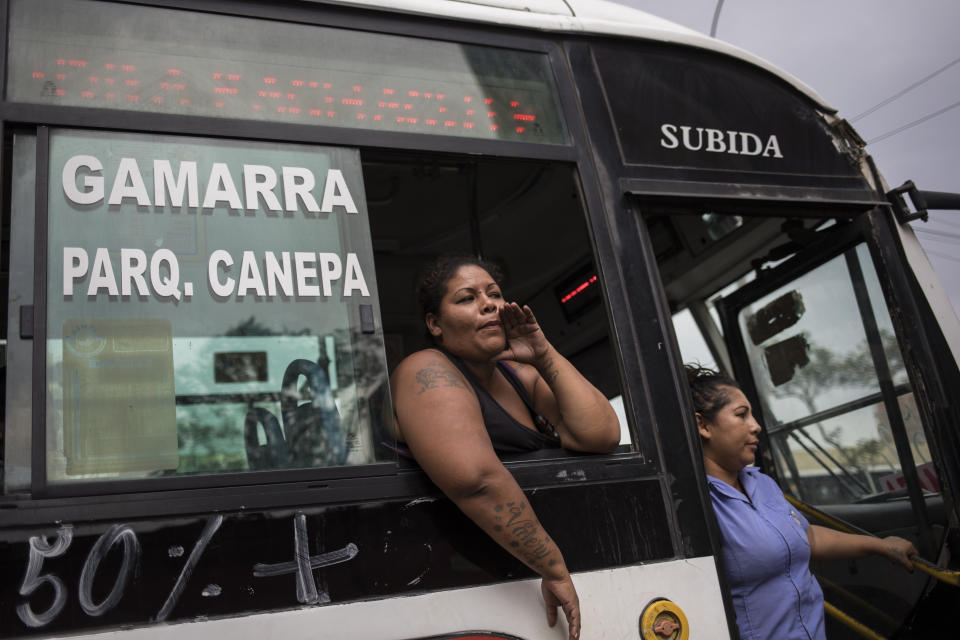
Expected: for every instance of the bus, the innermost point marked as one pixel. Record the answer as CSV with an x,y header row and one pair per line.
x,y
212,216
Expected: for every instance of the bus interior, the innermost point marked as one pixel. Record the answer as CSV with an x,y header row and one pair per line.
x,y
526,217
790,302
636,254
726,268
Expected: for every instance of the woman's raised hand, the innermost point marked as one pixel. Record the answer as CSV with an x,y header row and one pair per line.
x,y
525,340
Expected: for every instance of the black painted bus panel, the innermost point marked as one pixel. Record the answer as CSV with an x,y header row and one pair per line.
x,y
238,563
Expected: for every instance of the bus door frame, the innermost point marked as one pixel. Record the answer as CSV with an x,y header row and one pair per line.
x,y
872,229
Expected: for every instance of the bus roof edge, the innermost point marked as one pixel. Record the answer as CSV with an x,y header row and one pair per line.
x,y
599,17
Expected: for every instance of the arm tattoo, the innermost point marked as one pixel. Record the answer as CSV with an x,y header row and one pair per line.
x,y
529,539
550,372
433,376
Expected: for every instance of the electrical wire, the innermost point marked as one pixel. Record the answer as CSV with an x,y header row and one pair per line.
x,y
716,18
889,134
933,232
945,256
946,221
916,84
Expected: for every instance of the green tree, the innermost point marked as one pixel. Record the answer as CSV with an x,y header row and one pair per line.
x,y
828,369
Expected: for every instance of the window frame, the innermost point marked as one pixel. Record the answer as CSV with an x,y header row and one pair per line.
x,y
383,480
857,232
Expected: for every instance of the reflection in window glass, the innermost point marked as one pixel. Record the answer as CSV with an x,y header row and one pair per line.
x,y
841,459
719,225
147,59
211,307
820,390
821,312
18,418
884,323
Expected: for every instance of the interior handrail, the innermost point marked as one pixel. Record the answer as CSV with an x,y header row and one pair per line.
x,y
851,623
943,575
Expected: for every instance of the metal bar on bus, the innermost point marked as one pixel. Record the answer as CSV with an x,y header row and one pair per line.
x,y
840,409
829,456
894,416
943,575
851,623
857,601
779,446
793,434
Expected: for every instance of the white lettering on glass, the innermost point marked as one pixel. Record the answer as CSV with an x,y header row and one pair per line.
x,y
220,188
93,191
186,182
305,271
307,275
297,183
162,263
279,274
83,184
128,183
75,264
256,188
354,278
335,192
222,288
250,280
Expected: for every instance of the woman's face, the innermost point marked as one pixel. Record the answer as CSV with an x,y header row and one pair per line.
x,y
730,439
468,323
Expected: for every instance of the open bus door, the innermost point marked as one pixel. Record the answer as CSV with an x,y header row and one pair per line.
x,y
849,376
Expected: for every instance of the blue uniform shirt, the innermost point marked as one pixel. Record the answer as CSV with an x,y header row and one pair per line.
x,y
766,556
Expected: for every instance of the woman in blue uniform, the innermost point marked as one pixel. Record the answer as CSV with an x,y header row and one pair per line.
x,y
492,385
766,544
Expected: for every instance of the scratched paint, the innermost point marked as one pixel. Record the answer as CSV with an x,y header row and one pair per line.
x,y
120,574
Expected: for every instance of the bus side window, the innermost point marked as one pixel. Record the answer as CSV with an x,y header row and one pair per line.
x,y
233,329
527,217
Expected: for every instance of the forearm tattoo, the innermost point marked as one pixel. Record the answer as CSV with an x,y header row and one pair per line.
x,y
527,536
435,375
550,371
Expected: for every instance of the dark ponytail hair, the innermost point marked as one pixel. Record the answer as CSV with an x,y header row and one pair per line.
x,y
708,389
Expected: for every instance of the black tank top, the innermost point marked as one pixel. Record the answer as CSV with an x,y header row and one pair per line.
x,y
507,435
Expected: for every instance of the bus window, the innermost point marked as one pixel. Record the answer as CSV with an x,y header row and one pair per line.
x,y
210,308
18,410
693,347
68,53
525,216
822,391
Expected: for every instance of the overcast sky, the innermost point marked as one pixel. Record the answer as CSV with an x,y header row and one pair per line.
x,y
857,54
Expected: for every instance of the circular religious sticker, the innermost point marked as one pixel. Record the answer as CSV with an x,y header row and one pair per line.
x,y
85,341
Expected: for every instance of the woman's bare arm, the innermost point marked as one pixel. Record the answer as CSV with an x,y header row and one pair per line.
x,y
440,420
583,416
828,544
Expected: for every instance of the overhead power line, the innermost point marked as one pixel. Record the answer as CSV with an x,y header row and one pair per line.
x,y
716,18
943,255
901,92
932,232
888,134
946,221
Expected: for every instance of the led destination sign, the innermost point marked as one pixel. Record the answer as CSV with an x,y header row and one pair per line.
x,y
280,72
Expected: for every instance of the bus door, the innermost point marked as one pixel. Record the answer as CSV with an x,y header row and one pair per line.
x,y
834,380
